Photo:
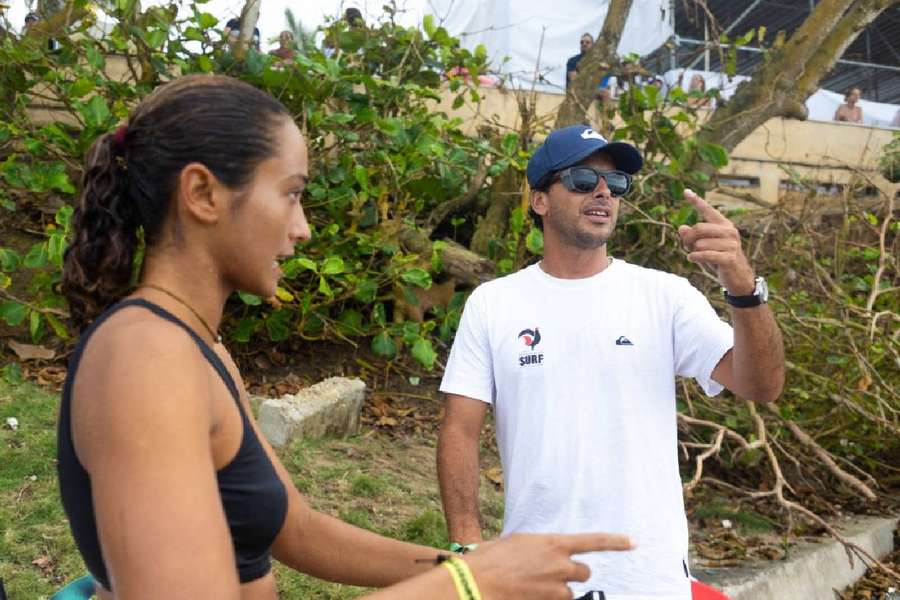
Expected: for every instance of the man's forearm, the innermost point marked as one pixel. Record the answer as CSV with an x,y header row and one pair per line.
x,y
758,355
458,474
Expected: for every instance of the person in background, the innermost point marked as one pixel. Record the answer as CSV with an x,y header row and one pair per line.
x,y
697,91
286,50
232,33
169,486
586,43
849,111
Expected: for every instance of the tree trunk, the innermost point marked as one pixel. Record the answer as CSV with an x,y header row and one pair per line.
x,y
792,73
599,61
249,19
505,194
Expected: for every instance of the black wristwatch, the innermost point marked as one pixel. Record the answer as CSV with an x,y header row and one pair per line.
x,y
759,296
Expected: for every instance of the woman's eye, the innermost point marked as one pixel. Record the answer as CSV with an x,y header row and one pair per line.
x,y
296,194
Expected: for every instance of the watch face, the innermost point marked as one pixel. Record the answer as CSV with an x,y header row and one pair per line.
x,y
762,289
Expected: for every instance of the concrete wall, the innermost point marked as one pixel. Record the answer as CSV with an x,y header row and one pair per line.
x,y
827,153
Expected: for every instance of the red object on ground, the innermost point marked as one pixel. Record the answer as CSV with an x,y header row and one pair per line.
x,y
701,591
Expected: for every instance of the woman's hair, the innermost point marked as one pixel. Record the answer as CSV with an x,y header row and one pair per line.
x,y
131,175
849,93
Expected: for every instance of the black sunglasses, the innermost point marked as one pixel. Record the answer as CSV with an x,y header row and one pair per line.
x,y
585,179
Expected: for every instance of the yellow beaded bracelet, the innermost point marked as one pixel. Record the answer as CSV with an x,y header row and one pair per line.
x,y
463,581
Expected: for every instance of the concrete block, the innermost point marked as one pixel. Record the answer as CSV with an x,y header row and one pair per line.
x,y
328,408
812,570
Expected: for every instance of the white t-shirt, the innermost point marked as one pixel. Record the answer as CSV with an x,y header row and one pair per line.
x,y
581,374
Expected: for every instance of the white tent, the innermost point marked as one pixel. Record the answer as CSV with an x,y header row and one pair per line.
x,y
528,38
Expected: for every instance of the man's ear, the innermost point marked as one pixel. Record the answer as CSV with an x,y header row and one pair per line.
x,y
538,202
201,194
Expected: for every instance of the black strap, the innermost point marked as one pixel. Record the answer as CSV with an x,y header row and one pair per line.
x,y
207,352
595,595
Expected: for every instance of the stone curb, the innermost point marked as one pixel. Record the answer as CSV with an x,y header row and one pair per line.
x,y
330,407
812,571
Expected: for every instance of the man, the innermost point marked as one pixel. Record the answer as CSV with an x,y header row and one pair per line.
x,y
232,33
587,41
578,356
603,93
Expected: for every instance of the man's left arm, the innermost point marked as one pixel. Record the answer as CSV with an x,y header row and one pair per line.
x,y
754,368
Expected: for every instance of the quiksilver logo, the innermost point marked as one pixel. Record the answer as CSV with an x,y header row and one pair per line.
x,y
590,134
623,341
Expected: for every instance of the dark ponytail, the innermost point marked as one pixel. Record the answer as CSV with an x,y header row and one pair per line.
x,y
99,260
130,176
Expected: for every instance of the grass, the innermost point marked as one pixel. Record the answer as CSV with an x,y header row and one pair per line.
x,y
383,484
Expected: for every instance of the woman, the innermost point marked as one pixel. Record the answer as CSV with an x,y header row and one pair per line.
x,y
849,112
170,489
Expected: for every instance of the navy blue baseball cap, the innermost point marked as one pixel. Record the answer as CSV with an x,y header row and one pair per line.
x,y
570,145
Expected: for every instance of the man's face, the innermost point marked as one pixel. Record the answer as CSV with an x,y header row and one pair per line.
x,y
586,43
584,221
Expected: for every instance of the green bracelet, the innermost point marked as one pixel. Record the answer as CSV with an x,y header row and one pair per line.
x,y
460,549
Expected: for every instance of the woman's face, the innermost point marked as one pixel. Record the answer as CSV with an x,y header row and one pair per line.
x,y
267,219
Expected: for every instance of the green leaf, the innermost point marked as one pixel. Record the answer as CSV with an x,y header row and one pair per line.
x,y
13,313
534,241
392,127
9,259
96,58
57,326
362,177
324,288
424,353
714,154
5,281
35,326
37,256
379,314
510,143
306,264
206,20
333,265
244,329
95,112
417,276
249,299
12,373
428,25
278,325
81,88
204,63
56,247
366,290
384,345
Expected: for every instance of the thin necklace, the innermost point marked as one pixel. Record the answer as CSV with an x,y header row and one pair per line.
x,y
214,335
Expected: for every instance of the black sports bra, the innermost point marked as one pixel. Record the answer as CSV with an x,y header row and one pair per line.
x,y
253,496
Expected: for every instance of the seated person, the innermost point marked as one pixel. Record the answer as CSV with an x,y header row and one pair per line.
x,y
698,85
285,51
849,111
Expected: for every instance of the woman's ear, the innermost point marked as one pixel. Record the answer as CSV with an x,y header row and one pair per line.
x,y
200,193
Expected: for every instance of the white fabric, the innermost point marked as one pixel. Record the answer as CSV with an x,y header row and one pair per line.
x,y
823,104
587,426
514,30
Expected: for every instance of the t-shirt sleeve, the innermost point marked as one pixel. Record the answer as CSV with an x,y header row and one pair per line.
x,y
701,338
469,369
